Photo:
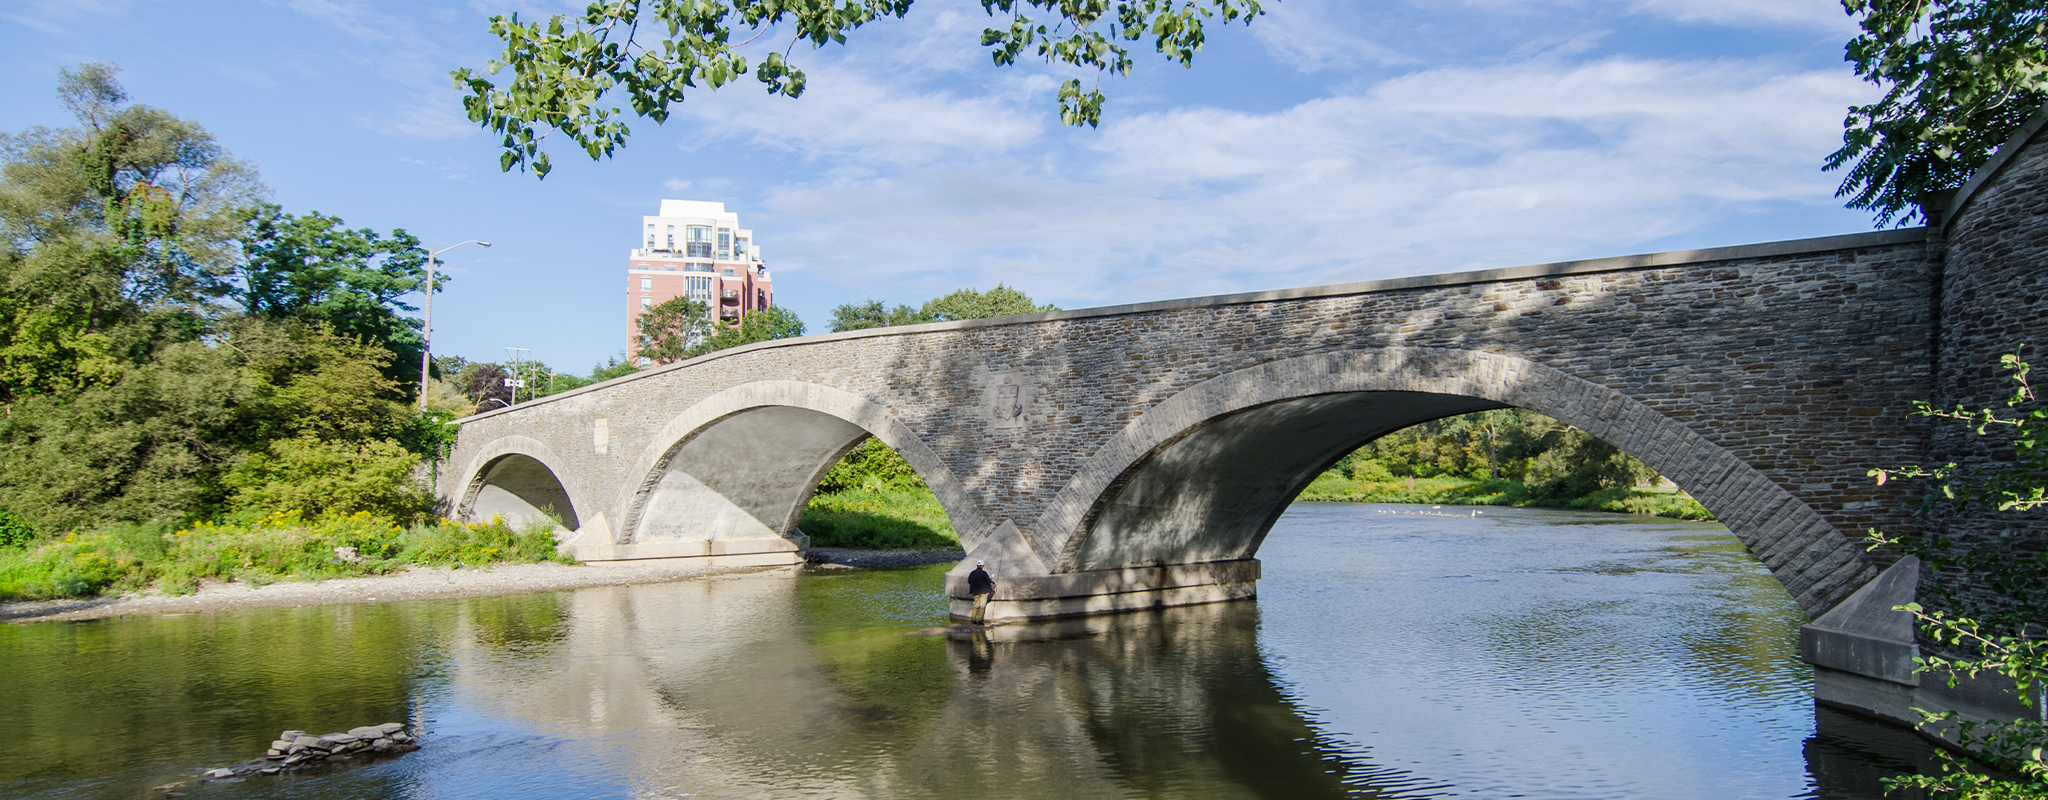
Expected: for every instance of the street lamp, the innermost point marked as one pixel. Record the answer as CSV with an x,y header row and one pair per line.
x,y
427,320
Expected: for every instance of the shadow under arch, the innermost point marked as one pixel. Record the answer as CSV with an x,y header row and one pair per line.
x,y
515,477
1203,475
742,464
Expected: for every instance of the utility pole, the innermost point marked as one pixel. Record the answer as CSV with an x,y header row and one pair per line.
x,y
427,317
515,382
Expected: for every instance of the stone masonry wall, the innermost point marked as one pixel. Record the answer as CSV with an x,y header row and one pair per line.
x,y
1801,360
1994,300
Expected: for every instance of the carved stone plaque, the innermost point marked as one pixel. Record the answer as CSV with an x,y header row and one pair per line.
x,y
1007,399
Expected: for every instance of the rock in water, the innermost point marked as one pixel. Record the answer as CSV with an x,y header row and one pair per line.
x,y
294,751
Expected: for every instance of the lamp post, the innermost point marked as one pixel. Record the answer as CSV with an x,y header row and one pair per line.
x,y
427,318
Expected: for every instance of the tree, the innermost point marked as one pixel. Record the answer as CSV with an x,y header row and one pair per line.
x,y
963,304
562,70
872,314
314,268
2004,635
484,385
115,235
1960,75
129,388
615,367
1001,301
773,322
673,330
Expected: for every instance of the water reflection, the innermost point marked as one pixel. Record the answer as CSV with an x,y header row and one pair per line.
x,y
1530,654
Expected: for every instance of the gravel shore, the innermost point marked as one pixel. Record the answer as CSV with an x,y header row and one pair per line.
x,y
429,583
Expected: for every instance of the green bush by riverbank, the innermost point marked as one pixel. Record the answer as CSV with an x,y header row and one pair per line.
x,y
879,518
1334,487
130,557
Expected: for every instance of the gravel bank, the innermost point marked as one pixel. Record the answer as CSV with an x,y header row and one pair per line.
x,y
414,583
429,583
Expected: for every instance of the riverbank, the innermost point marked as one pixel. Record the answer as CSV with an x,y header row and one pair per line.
x,y
1656,502
880,518
436,583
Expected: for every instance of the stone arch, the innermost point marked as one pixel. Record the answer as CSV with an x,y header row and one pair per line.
x,y
1134,473
516,477
743,462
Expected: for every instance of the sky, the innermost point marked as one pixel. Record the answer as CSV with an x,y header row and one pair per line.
x,y
1328,141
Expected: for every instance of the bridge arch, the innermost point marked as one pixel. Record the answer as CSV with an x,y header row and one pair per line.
x,y
516,477
742,463
1203,475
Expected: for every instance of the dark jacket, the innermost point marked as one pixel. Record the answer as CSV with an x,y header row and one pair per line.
x,y
978,582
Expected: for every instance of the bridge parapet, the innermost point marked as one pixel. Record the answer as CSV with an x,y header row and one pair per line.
x,y
1767,379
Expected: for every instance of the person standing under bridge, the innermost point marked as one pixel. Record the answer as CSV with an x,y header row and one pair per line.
x,y
983,588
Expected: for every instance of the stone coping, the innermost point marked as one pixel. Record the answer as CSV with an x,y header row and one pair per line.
x,y
1991,168
1671,258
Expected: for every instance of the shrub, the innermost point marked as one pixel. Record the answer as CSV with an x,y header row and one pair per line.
x,y
872,466
258,548
1371,470
321,477
469,544
878,519
15,531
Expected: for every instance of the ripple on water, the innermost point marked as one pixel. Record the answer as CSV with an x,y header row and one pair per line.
x,y
1517,654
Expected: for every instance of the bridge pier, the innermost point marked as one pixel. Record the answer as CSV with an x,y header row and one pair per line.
x,y
1108,591
1026,589
1862,655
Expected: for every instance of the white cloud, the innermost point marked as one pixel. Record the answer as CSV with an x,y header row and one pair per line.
x,y
676,185
849,114
54,17
1318,35
357,20
1436,171
1822,15
430,114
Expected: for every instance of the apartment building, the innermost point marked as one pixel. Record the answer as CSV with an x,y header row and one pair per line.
x,y
695,249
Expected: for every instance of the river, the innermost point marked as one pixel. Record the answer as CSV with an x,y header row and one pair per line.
x,y
1390,654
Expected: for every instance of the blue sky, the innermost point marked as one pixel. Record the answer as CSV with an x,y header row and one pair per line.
x,y
1330,141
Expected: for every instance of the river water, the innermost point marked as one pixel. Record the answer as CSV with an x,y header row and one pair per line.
x,y
1391,653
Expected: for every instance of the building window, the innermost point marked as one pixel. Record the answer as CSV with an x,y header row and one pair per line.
x,y
646,303
724,243
729,273
646,283
671,237
740,247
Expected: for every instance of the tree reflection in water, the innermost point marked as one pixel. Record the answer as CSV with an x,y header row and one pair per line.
x,y
837,684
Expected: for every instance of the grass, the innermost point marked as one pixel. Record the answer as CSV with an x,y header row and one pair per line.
x,y
1331,487
878,518
131,557
881,517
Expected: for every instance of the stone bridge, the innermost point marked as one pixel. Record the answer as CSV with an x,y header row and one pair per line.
x,y
1136,456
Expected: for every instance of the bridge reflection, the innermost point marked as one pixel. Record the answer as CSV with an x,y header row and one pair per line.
x,y
764,686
